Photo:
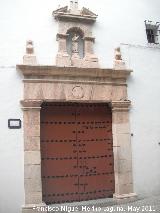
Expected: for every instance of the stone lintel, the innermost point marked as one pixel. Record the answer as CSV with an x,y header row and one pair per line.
x,y
42,70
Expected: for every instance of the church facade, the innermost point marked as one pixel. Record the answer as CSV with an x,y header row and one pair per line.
x,y
86,126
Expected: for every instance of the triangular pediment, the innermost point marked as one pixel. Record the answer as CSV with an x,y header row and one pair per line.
x,y
87,12
74,13
61,10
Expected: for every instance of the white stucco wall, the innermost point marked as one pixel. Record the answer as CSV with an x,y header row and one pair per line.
x,y
118,22
11,142
143,90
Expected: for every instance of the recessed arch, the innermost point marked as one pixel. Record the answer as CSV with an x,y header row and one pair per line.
x,y
77,30
80,35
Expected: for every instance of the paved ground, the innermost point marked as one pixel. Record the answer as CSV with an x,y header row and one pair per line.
x,y
140,206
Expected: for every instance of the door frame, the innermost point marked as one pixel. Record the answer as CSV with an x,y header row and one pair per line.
x,y
75,85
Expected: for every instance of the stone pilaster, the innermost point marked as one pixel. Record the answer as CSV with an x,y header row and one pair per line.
x,y
90,59
63,58
32,156
122,149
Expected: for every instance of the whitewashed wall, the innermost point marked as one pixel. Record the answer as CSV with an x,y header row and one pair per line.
x,y
118,22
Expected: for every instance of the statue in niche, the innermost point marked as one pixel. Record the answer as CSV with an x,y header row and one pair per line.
x,y
75,41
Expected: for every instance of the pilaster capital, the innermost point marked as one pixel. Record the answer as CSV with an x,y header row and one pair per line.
x,y
89,38
120,106
61,36
31,104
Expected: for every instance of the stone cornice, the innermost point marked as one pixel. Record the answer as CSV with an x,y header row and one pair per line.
x,y
121,105
59,35
74,17
42,70
89,39
31,104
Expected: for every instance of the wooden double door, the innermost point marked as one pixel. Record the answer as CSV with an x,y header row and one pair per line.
x,y
76,152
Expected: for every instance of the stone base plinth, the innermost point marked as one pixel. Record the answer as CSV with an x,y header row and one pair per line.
x,y
123,196
90,61
63,60
34,208
29,59
119,65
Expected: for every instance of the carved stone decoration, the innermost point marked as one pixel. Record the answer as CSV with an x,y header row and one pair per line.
x,y
74,6
83,20
78,92
29,58
118,62
75,44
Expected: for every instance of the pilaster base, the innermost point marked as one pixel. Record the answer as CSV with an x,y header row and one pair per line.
x,y
90,61
119,65
63,60
34,208
123,196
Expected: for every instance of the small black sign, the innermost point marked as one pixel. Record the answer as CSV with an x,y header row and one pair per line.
x,y
14,124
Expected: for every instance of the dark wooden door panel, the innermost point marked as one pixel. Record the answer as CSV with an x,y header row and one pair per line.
x,y
77,152
56,150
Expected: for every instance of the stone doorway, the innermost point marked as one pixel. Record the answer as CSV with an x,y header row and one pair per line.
x,y
82,85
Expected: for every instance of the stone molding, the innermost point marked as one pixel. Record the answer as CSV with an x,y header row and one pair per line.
x,y
121,105
31,104
42,70
89,38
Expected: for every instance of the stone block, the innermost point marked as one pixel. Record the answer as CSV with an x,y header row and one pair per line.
x,y
32,117
33,198
31,130
32,171
54,91
125,188
33,185
32,143
120,117
32,157
63,60
33,91
124,166
29,59
125,178
119,93
121,128
34,208
122,140
102,92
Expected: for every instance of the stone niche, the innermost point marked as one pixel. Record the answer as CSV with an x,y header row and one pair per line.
x,y
75,36
74,79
